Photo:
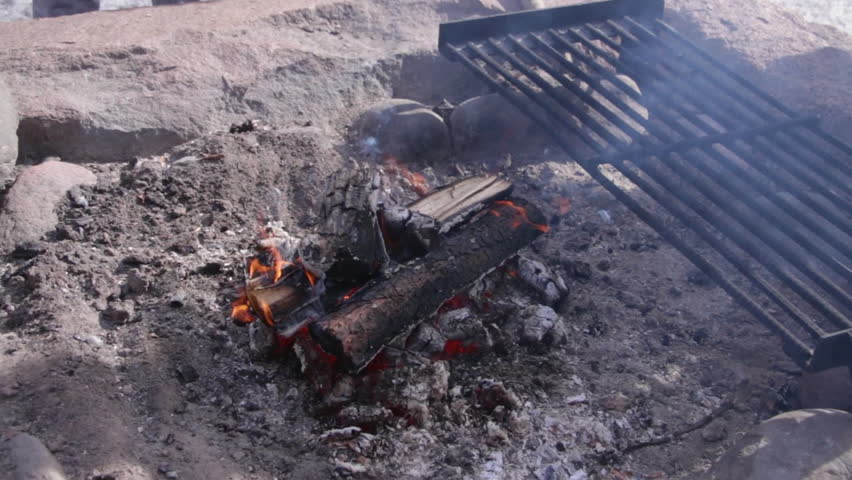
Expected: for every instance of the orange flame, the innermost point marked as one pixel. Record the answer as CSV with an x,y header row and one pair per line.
x,y
257,268
246,309
417,181
520,216
240,311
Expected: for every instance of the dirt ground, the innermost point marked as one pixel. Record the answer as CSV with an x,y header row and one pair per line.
x,y
118,351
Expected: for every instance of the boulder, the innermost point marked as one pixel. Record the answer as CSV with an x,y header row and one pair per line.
x,y
798,445
29,210
56,8
31,460
11,10
8,133
404,129
488,122
830,388
111,86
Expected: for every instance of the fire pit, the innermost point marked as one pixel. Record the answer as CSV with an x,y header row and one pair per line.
x,y
766,191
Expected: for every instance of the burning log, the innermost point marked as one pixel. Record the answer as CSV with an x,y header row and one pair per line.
x,y
354,247
392,307
414,230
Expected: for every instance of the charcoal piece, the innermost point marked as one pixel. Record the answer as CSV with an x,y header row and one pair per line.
x,y
392,307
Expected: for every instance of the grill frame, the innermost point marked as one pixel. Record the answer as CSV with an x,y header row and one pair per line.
x,y
711,140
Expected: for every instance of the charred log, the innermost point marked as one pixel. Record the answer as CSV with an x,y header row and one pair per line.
x,y
392,307
353,246
413,231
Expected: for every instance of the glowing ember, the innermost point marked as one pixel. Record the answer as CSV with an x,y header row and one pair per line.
x,y
454,348
520,216
417,181
459,301
349,294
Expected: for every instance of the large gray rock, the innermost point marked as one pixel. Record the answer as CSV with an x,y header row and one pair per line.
x,y
136,82
404,129
830,388
57,8
8,133
798,445
31,460
29,211
488,122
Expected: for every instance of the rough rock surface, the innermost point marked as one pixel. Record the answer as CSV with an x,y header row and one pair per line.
x,y
488,121
8,133
830,388
798,445
404,129
29,209
31,460
107,86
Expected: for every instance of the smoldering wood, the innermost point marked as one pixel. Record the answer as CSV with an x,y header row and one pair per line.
x,y
392,307
281,297
414,230
350,237
453,204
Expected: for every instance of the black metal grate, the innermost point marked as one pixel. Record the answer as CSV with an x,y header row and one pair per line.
x,y
766,193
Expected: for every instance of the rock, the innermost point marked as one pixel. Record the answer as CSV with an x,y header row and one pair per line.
x,y
715,432
118,313
799,445
134,284
489,395
830,388
29,210
426,339
487,122
186,373
618,402
77,197
58,8
493,467
8,133
493,5
538,322
31,460
200,87
11,10
495,435
542,279
177,299
404,129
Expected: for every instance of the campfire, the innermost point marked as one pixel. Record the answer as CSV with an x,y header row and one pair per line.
x,y
378,279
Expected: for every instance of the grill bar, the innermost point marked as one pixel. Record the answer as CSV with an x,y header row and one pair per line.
x,y
765,192
804,217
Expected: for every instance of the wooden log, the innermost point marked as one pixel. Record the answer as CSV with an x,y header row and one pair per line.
x,y
352,243
458,201
392,307
416,229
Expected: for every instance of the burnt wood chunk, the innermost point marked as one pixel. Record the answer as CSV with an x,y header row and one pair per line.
x,y
353,244
458,201
392,307
415,230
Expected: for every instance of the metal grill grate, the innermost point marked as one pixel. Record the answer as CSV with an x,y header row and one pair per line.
x,y
766,193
